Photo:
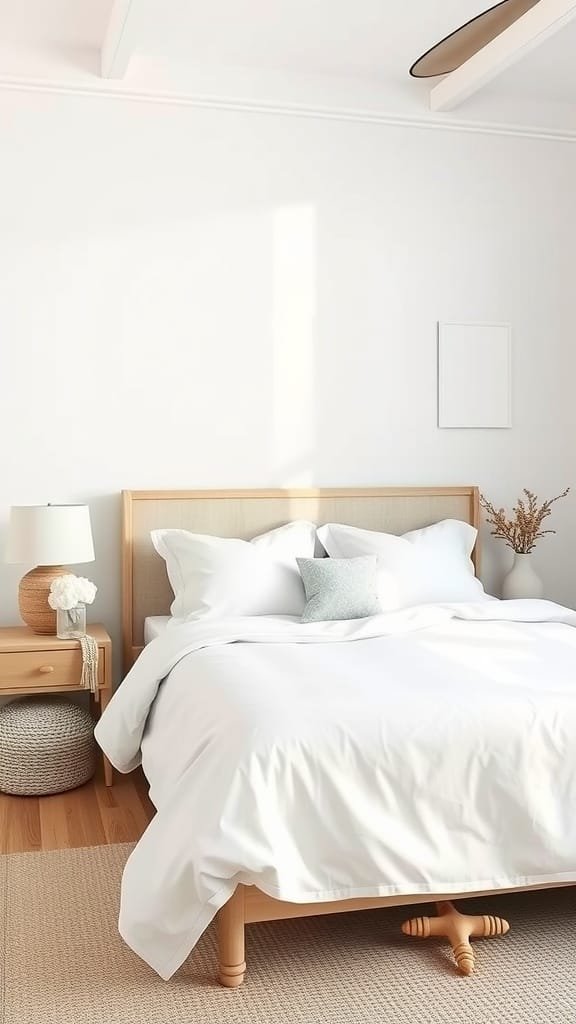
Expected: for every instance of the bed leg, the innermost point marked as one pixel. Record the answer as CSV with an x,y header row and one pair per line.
x,y
230,928
458,929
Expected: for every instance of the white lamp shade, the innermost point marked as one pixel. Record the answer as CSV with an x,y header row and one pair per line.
x,y
50,535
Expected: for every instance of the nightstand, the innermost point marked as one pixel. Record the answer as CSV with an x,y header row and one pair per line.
x,y
34,663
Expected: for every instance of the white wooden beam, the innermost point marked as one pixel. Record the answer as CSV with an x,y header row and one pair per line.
x,y
118,42
539,23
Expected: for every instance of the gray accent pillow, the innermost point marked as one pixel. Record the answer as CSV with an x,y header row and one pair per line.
x,y
339,588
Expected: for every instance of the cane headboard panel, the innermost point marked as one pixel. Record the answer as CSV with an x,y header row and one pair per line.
x,y
246,513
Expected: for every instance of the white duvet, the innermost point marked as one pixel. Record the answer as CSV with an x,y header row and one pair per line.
x,y
429,750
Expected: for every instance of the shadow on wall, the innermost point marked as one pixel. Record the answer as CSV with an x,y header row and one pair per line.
x,y
105,571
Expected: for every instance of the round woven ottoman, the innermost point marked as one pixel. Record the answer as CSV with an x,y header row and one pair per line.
x,y
46,746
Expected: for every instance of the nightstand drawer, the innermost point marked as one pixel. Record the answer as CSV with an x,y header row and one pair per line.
x,y
27,669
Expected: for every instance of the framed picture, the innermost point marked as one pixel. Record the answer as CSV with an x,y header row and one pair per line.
x,y
474,375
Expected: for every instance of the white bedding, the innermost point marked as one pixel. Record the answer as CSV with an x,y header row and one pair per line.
x,y
428,750
154,625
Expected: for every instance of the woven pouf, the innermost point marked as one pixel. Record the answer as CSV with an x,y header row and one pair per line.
x,y
46,746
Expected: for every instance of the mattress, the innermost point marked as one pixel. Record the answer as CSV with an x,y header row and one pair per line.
x,y
154,625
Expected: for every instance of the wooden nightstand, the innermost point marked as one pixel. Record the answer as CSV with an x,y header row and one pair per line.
x,y
31,663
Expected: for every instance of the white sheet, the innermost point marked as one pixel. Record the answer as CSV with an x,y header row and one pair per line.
x,y
154,625
432,754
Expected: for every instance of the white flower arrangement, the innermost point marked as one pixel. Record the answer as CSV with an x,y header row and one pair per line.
x,y
69,591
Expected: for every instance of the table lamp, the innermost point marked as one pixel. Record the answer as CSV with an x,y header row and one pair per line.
x,y
49,536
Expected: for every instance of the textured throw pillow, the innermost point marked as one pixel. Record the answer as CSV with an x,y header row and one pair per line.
x,y
339,588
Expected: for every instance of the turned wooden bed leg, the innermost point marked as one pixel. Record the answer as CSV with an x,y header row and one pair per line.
x,y
230,929
458,929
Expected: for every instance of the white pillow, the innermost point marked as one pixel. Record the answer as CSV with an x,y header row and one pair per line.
x,y
423,566
221,576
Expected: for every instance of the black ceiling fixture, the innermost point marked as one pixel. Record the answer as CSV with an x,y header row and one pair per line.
x,y
464,42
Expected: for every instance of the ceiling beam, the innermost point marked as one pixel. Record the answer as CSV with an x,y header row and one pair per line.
x,y
117,47
514,43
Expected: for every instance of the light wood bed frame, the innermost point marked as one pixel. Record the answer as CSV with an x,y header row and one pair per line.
x,y
246,513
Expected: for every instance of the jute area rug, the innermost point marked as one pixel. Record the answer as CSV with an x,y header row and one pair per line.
x,y
62,961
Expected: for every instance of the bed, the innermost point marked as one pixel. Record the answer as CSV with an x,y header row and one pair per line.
x,y
147,596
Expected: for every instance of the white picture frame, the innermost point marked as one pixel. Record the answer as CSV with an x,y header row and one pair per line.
x,y
474,375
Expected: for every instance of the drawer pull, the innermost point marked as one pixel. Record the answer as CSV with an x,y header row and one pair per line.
x,y
46,668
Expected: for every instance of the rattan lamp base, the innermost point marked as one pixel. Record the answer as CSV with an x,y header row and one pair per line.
x,y
33,598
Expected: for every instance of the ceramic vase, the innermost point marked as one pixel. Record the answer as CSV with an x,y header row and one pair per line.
x,y
522,580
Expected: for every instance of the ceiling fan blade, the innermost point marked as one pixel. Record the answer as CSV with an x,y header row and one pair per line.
x,y
464,42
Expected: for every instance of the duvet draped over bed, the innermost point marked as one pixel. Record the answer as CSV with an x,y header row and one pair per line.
x,y
428,750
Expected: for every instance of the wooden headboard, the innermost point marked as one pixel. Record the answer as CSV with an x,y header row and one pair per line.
x,y
244,514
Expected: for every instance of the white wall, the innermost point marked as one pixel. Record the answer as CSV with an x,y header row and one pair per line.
x,y
194,298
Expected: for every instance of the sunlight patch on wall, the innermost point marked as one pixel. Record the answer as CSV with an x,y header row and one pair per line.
x,y
294,320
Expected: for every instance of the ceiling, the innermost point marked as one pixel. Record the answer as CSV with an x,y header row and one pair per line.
x,y
549,72
370,38
349,55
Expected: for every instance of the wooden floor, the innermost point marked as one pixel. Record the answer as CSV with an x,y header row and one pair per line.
x,y
92,815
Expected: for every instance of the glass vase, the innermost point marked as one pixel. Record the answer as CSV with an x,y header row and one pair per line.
x,y
71,622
